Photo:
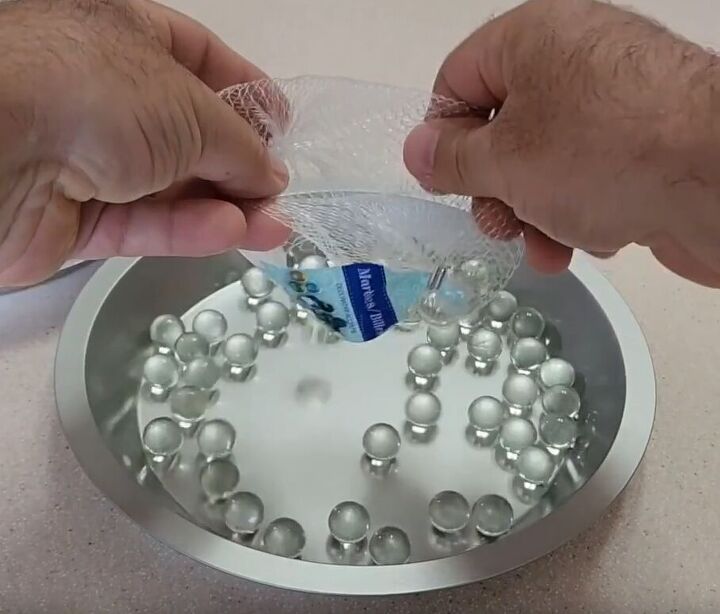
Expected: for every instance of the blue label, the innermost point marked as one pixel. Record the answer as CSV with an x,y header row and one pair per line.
x,y
360,301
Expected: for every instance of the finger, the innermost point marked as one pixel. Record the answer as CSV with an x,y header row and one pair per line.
x,y
453,156
681,262
233,156
603,255
473,72
192,227
543,253
495,219
201,51
38,242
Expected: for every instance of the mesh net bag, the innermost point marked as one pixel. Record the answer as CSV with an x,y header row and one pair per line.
x,y
351,195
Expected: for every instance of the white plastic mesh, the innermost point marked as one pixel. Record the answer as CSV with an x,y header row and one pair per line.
x,y
349,190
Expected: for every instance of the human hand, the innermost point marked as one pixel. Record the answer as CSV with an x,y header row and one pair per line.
x,y
114,142
606,133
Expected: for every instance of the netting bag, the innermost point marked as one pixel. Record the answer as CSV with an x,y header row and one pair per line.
x,y
350,194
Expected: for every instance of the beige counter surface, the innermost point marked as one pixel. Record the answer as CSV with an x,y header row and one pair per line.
x,y
65,548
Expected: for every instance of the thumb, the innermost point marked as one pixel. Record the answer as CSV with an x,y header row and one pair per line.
x,y
232,154
453,156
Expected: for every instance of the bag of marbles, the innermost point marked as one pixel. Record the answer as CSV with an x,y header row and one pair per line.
x,y
392,247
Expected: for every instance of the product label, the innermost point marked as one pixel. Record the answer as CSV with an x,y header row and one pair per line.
x,y
360,301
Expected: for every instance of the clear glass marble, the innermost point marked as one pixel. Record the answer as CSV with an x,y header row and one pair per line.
x,y
349,522
456,291
389,546
486,415
526,322
499,311
536,465
273,319
218,480
164,332
535,470
492,515
444,337
299,248
202,372
484,348
410,323
556,372
215,439
469,323
527,354
240,352
424,364
561,401
516,434
190,346
211,325
558,433
422,411
449,511
313,261
188,405
258,286
520,392
162,439
381,443
161,374
284,537
244,513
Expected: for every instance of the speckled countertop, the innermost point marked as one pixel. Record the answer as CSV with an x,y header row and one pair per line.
x,y
65,548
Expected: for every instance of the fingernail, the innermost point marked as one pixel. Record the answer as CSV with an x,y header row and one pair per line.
x,y
279,169
419,152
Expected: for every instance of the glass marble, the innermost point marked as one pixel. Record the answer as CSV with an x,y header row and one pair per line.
x,y
244,513
449,511
410,323
516,434
313,261
273,319
389,546
493,515
520,392
161,373
527,354
526,322
162,439
444,337
164,332
422,411
561,401
349,522
469,323
240,352
424,363
484,348
215,439
284,537
258,286
535,465
536,469
202,372
556,372
381,443
499,311
558,432
188,405
211,325
486,415
190,346
219,479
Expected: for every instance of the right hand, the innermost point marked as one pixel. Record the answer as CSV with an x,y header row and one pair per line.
x,y
607,133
